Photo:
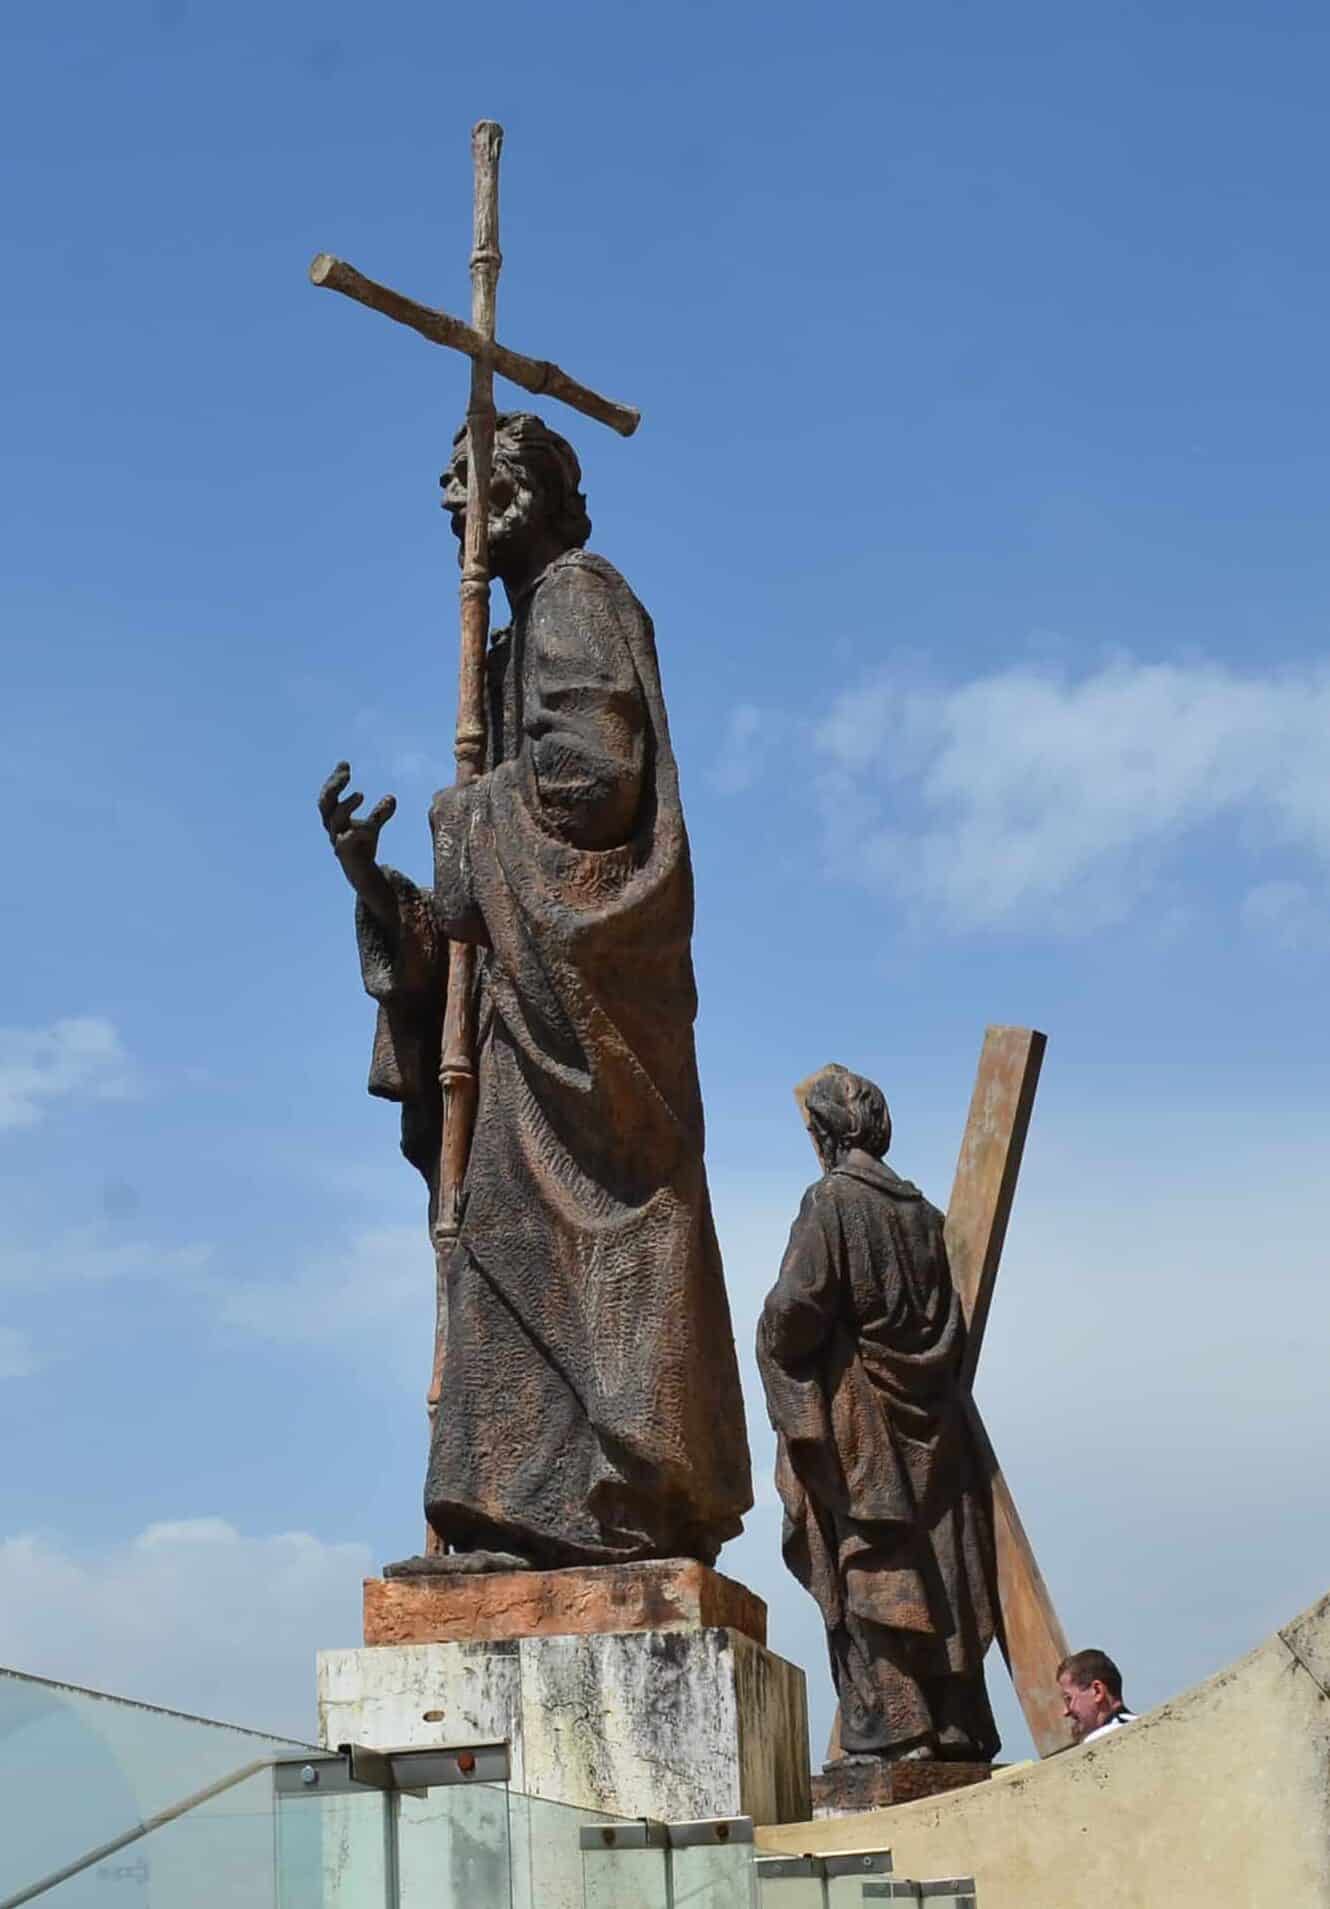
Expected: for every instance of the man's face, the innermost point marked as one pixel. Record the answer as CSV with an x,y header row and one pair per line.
x,y
514,506
823,1146
1085,1709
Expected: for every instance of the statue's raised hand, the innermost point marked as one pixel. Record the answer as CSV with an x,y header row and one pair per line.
x,y
355,840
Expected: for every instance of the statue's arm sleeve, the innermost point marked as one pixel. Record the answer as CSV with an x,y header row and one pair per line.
x,y
404,966
585,721
801,1309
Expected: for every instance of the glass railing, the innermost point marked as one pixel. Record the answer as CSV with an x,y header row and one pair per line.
x,y
77,1768
111,1805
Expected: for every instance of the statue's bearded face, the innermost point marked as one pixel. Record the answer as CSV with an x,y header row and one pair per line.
x,y
516,509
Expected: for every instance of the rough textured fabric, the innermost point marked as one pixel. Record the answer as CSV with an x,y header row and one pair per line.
x,y
886,1522
590,1406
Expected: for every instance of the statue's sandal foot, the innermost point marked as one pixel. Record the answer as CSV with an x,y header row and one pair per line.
x,y
453,1564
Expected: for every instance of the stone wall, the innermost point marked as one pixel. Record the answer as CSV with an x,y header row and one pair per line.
x,y
1222,1796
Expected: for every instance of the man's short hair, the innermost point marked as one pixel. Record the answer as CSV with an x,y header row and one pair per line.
x,y
847,1108
1086,1667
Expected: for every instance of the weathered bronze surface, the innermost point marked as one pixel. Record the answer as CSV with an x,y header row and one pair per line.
x,y
589,1405
862,1347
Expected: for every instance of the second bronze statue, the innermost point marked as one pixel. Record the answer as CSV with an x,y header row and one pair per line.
x,y
888,1519
589,1407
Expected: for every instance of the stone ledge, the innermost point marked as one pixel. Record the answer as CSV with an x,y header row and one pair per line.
x,y
843,1789
674,1594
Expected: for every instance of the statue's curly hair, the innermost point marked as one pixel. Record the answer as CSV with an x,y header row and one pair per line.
x,y
525,443
847,1108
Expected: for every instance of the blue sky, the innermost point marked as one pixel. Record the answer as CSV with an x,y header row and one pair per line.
x,y
980,505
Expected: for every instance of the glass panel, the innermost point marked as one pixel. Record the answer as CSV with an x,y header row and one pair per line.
x,y
549,1871
453,1848
335,1852
849,1877
78,1768
626,1878
218,1856
794,1883
714,1876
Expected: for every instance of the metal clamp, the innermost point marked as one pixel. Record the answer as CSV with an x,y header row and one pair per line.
x,y
858,1862
644,1833
709,1831
790,1868
354,1768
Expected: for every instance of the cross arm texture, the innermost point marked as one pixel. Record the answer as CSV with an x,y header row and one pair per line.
x,y
535,375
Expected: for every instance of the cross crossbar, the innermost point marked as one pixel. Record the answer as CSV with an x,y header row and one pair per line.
x,y
536,375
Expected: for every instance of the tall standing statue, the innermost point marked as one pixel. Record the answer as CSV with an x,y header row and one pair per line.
x,y
887,1521
589,1405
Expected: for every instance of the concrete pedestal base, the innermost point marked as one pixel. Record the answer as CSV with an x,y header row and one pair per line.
x,y
674,1724
843,1789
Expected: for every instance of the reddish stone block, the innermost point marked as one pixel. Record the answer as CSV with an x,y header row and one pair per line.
x,y
676,1594
842,1789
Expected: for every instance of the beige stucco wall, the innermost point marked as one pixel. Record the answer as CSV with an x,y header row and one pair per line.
x,y
1222,1796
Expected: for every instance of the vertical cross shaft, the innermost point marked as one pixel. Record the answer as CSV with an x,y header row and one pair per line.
x,y
1032,1639
457,1063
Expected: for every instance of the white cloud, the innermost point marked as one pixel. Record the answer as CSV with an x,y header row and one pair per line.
x,y
1031,796
194,1615
376,1287
86,1255
378,1279
1289,914
80,1057
751,735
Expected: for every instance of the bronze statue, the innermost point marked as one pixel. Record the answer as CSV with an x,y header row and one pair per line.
x,y
589,1405
887,1523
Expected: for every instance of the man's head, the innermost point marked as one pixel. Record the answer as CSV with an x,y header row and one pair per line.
x,y
1091,1686
537,510
842,1111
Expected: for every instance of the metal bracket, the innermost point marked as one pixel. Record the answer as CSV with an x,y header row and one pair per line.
x,y
354,1768
858,1862
645,1833
943,1892
710,1831
790,1868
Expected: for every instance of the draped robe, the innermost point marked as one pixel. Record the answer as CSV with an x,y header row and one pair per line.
x,y
886,1519
590,1408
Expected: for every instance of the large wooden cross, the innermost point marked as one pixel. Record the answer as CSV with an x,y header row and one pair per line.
x,y
1032,1639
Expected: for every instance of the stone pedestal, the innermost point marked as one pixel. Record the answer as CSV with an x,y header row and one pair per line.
x,y
843,1789
660,1710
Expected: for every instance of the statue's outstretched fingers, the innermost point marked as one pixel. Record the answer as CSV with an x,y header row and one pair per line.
x,y
331,789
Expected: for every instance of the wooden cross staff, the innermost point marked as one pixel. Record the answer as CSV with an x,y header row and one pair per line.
x,y
457,1065
1033,1641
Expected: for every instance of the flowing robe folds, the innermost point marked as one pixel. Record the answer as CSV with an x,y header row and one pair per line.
x,y
590,1408
886,1521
